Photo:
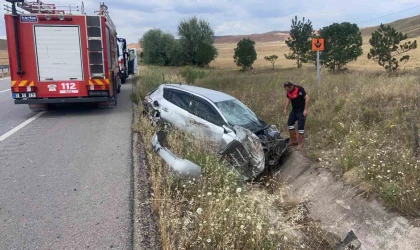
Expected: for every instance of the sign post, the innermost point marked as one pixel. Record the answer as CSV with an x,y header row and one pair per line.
x,y
317,45
317,68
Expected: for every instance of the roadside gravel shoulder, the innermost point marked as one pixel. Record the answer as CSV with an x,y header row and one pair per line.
x,y
146,232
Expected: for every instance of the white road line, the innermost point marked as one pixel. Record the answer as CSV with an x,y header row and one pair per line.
x,y
20,126
4,90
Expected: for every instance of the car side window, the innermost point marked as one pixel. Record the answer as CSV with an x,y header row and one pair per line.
x,y
167,94
180,99
204,110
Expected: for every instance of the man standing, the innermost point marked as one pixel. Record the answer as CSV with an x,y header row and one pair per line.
x,y
297,96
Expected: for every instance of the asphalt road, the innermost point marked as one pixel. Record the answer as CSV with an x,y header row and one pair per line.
x,y
11,115
65,178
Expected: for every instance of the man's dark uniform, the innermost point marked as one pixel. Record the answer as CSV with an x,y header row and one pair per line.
x,y
297,98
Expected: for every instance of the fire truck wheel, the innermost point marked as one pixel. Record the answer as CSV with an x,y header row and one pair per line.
x,y
107,105
40,107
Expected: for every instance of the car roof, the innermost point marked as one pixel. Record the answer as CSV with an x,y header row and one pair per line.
x,y
213,95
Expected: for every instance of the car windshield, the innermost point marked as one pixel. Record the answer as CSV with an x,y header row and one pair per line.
x,y
237,113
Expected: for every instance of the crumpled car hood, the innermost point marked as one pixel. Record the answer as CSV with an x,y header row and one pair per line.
x,y
245,152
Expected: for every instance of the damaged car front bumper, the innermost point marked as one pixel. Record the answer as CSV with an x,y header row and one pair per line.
x,y
181,166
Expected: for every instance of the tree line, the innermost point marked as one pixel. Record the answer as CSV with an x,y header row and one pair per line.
x,y
343,44
194,46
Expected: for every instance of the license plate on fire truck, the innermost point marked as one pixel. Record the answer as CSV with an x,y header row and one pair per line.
x,y
23,95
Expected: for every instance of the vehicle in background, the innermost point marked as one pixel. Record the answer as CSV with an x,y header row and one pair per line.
x,y
132,62
57,56
122,59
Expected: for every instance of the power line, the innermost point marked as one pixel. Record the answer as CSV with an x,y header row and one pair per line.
x,y
389,14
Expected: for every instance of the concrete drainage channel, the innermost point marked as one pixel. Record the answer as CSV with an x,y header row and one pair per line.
x,y
340,210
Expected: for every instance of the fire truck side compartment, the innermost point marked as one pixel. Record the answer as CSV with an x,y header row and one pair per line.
x,y
58,53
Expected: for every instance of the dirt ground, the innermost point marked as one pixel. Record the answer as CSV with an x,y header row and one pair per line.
x,y
146,233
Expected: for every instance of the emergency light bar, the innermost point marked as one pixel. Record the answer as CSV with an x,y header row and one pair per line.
x,y
55,18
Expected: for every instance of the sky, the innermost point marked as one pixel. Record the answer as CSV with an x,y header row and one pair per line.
x,y
240,17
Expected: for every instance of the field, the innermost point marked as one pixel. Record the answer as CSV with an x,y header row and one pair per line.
x,y
4,57
225,58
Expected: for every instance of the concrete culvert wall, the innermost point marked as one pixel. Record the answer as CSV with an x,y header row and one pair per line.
x,y
339,209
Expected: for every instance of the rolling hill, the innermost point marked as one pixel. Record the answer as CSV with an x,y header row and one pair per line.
x,y
134,46
3,44
261,38
410,25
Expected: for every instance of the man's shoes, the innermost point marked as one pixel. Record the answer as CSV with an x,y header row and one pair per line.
x,y
293,137
300,142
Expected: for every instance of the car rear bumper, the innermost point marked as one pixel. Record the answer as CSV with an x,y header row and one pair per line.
x,y
63,100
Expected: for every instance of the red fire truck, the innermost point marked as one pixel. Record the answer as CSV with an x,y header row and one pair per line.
x,y
61,57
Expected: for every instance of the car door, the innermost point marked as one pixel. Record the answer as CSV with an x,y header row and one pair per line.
x,y
176,107
205,120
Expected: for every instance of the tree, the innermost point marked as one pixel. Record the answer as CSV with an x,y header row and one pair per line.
x,y
299,42
176,55
245,53
157,47
272,59
385,48
141,56
343,44
196,41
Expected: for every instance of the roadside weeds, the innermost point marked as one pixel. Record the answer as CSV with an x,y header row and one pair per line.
x,y
218,211
146,233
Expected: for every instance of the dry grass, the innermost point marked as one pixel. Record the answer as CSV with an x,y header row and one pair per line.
x,y
225,58
357,121
218,211
4,57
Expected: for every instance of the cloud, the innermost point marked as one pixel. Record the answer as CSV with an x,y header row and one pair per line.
x,y
133,18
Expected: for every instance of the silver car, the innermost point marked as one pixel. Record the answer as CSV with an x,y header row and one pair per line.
x,y
247,142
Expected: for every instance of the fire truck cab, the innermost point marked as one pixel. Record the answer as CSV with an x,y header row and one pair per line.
x,y
57,56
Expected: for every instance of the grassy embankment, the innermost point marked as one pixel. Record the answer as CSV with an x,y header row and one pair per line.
x,y
219,211
360,123
359,127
